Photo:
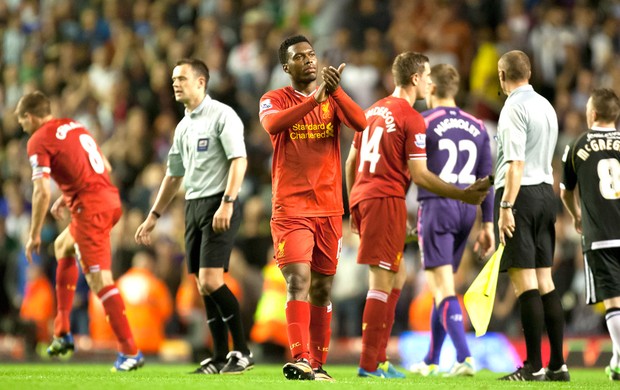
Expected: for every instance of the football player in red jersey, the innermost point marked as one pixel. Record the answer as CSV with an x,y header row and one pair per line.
x,y
65,151
303,122
382,162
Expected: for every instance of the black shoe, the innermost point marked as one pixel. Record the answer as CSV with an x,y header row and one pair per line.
x,y
238,363
559,375
321,375
525,373
61,345
298,370
209,367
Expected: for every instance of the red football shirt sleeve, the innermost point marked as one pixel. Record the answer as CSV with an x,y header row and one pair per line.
x,y
39,159
275,119
415,132
352,114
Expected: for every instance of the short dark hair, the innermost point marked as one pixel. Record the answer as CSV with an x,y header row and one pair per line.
x,y
34,103
446,79
516,65
288,42
606,105
406,64
198,66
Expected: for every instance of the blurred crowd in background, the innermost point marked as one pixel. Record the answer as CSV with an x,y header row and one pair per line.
x,y
108,64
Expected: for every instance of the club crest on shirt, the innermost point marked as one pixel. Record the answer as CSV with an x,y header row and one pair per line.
x,y
326,110
265,104
203,145
420,140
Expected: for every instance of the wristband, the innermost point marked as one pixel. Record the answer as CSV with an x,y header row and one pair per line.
x,y
156,214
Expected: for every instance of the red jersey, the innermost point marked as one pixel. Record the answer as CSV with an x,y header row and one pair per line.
x,y
395,134
65,150
306,168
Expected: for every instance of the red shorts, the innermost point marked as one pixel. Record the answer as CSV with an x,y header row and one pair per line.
x,y
314,240
92,238
382,223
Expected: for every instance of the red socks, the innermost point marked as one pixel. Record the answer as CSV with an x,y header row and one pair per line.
x,y
298,324
320,334
66,279
389,321
115,313
374,323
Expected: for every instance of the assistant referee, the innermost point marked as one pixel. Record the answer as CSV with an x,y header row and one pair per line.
x,y
525,207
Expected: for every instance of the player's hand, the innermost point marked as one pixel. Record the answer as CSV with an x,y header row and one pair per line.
x,y
412,233
331,77
482,184
58,208
221,218
506,224
321,93
473,196
485,242
143,233
33,245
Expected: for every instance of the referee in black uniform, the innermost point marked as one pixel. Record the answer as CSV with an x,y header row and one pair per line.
x,y
208,154
525,206
592,162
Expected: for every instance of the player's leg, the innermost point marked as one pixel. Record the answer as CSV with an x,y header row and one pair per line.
x,y
532,318
551,300
67,274
320,322
436,242
447,302
554,322
92,237
520,261
293,241
297,277
381,248
451,318
195,211
602,267
374,319
328,245
612,318
382,358
215,250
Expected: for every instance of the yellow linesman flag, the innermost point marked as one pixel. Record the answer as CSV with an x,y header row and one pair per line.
x,y
480,295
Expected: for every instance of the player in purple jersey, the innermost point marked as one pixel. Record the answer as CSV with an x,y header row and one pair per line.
x,y
458,151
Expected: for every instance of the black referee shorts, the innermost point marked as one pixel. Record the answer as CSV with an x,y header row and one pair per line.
x,y
533,241
203,247
602,272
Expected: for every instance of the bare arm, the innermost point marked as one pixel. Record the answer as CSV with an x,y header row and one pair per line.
x,y
167,190
41,196
506,221
350,169
569,199
426,179
221,218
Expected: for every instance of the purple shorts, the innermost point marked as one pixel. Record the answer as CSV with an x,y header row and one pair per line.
x,y
443,229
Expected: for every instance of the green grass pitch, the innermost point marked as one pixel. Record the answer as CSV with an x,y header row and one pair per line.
x,y
154,376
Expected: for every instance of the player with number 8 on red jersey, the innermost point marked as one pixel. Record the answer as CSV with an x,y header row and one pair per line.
x,y
65,151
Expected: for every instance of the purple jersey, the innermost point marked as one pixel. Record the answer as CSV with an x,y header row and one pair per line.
x,y
458,151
